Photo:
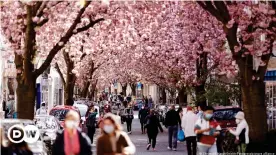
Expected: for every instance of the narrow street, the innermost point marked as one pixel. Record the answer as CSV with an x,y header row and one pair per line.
x,y
140,141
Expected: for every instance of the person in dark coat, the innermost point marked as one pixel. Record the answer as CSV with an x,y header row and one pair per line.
x,y
143,113
91,122
71,141
172,122
152,126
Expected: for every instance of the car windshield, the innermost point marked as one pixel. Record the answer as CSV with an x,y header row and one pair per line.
x,y
225,114
59,113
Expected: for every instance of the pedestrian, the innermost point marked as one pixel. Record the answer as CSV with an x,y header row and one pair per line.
x,y
113,140
128,115
200,111
188,124
5,109
207,129
180,112
42,110
150,101
143,113
147,102
152,126
107,108
21,148
241,132
91,122
172,121
71,141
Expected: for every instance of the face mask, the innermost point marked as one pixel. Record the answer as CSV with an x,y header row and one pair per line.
x,y
108,128
208,116
238,121
71,124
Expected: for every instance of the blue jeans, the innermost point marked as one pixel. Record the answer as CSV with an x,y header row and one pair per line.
x,y
173,136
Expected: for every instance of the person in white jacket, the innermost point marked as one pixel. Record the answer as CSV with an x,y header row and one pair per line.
x,y
188,125
42,110
241,132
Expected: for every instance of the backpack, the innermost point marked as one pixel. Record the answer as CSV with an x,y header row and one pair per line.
x,y
91,120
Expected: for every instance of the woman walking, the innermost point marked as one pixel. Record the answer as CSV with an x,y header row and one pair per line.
x,y
72,141
113,140
91,122
152,125
129,117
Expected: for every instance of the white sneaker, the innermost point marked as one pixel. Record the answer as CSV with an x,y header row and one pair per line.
x,y
174,149
169,148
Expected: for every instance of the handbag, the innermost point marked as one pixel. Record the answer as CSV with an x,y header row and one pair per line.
x,y
180,135
147,122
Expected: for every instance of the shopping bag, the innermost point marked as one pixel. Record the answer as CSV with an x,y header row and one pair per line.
x,y
180,135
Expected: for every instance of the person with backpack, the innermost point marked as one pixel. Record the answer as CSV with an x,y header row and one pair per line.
x,y
207,129
113,140
91,122
241,132
188,123
42,110
152,125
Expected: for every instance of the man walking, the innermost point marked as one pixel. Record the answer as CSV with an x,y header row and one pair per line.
x,y
143,113
172,121
188,123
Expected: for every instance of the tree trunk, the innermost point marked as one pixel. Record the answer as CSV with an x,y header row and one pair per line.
x,y
92,91
87,83
200,95
69,89
11,86
25,99
84,91
182,96
70,80
124,88
164,96
201,69
133,88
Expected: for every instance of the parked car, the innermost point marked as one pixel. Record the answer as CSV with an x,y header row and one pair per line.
x,y
82,108
48,126
38,148
225,116
60,112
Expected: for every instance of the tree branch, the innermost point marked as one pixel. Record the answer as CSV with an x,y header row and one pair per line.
x,y
91,24
39,10
208,6
42,22
63,40
60,74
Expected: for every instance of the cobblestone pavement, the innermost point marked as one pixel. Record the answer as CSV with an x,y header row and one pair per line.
x,y
140,141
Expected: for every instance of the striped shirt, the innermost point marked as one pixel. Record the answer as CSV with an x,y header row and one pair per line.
x,y
208,137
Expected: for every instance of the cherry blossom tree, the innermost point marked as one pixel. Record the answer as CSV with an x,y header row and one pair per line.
x,y
41,28
250,29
